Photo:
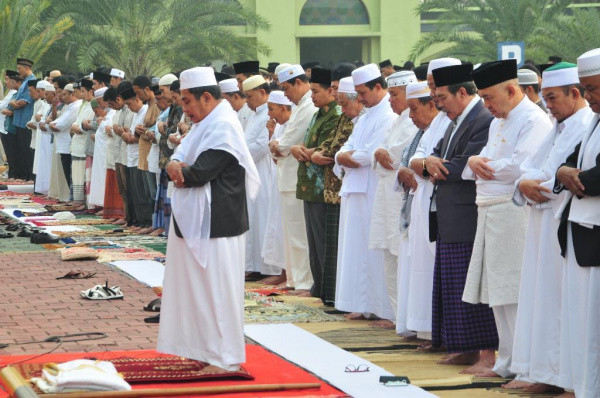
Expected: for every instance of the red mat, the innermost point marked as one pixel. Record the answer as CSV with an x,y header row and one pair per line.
x,y
266,367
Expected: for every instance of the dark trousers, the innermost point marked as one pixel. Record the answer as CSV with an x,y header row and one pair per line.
x,y
314,217
332,227
133,194
121,172
149,180
65,160
24,154
9,142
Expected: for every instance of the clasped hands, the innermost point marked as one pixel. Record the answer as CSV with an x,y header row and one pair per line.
x,y
174,170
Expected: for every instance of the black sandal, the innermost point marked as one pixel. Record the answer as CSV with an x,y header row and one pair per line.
x,y
153,306
153,319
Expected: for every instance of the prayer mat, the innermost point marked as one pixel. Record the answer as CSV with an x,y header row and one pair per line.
x,y
107,256
261,309
77,221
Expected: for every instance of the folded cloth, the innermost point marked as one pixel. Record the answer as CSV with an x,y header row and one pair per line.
x,y
80,374
64,215
78,253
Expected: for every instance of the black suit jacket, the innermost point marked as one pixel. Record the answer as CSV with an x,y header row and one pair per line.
x,y
455,220
586,241
227,178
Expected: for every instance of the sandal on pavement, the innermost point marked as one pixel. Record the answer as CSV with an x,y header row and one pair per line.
x,y
153,306
77,275
153,319
100,292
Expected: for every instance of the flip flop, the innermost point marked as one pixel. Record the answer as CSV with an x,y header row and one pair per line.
x,y
153,306
153,319
100,292
77,275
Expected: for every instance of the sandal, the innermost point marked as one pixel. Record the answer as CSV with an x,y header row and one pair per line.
x,y
77,275
100,292
153,306
153,319
5,235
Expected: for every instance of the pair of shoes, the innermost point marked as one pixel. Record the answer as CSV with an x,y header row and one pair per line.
x,y
100,292
42,237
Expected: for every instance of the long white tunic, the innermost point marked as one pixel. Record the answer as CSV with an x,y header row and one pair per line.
x,y
98,183
63,123
360,285
4,105
384,233
536,349
78,141
257,140
43,156
244,114
133,153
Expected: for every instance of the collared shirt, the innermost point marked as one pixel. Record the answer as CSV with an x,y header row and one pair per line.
x,y
133,150
63,123
3,106
23,115
460,119
124,121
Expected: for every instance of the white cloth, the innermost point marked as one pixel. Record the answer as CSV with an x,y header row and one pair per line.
x,y
244,114
384,229
44,152
505,317
390,274
432,136
536,349
295,242
36,137
360,285
78,141
98,182
38,106
154,154
113,144
81,374
219,130
63,123
133,150
4,105
127,116
202,309
402,288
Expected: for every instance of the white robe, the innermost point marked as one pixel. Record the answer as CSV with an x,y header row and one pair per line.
x,y
360,284
42,163
536,349
244,114
98,182
257,140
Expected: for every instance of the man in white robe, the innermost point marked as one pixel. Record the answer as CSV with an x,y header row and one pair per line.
x,y
40,109
384,233
98,185
360,285
202,310
44,148
78,142
579,234
517,131
296,88
536,349
257,90
237,99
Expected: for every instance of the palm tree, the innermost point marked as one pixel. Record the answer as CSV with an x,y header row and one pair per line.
x,y
470,29
24,34
153,37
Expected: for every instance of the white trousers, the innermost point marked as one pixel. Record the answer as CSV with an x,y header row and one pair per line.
x,y
390,270
506,317
295,243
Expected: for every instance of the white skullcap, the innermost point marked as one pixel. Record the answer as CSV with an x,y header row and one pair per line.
x,y
69,87
588,64
365,74
560,77
417,90
167,79
229,86
54,73
277,97
117,73
346,85
281,67
252,82
401,78
527,77
41,84
100,92
289,73
440,63
200,76
50,87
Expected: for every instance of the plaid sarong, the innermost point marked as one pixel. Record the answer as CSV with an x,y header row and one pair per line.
x,y
459,326
162,204
332,226
78,178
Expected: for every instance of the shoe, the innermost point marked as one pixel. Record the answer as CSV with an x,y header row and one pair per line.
x,y
12,227
42,237
25,233
153,319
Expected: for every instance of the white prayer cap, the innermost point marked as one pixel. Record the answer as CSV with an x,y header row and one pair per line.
x,y
277,97
100,92
54,73
50,87
117,73
200,76
281,67
252,82
402,78
365,74
229,86
69,87
289,73
418,90
527,77
588,64
41,84
561,74
346,85
167,79
440,63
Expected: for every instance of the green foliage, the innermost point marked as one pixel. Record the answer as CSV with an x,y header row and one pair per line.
x,y
470,29
153,37
23,34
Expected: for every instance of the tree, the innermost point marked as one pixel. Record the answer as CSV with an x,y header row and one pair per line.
x,y
470,29
24,34
154,37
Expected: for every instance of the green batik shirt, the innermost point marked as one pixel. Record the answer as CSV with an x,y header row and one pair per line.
x,y
311,177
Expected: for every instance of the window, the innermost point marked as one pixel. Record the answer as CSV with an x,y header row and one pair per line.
x,y
334,12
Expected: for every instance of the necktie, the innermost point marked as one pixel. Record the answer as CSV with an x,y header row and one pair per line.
x,y
447,138
405,212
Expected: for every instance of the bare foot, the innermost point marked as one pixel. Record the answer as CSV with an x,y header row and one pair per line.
x,y
300,293
272,280
100,213
157,232
355,316
490,373
383,324
428,347
566,394
146,231
463,358
515,384
541,388
121,222
214,370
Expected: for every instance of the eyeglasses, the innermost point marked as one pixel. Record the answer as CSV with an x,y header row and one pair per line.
x,y
356,369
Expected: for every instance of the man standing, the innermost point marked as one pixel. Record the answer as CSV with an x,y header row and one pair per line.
x,y
386,68
22,106
361,287
237,99
296,87
244,70
529,83
202,314
579,234
516,133
311,175
536,349
78,142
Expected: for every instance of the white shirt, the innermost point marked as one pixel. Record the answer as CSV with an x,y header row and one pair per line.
x,y
133,153
460,119
431,137
257,135
511,140
113,143
3,106
78,141
124,121
63,123
396,139
244,114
